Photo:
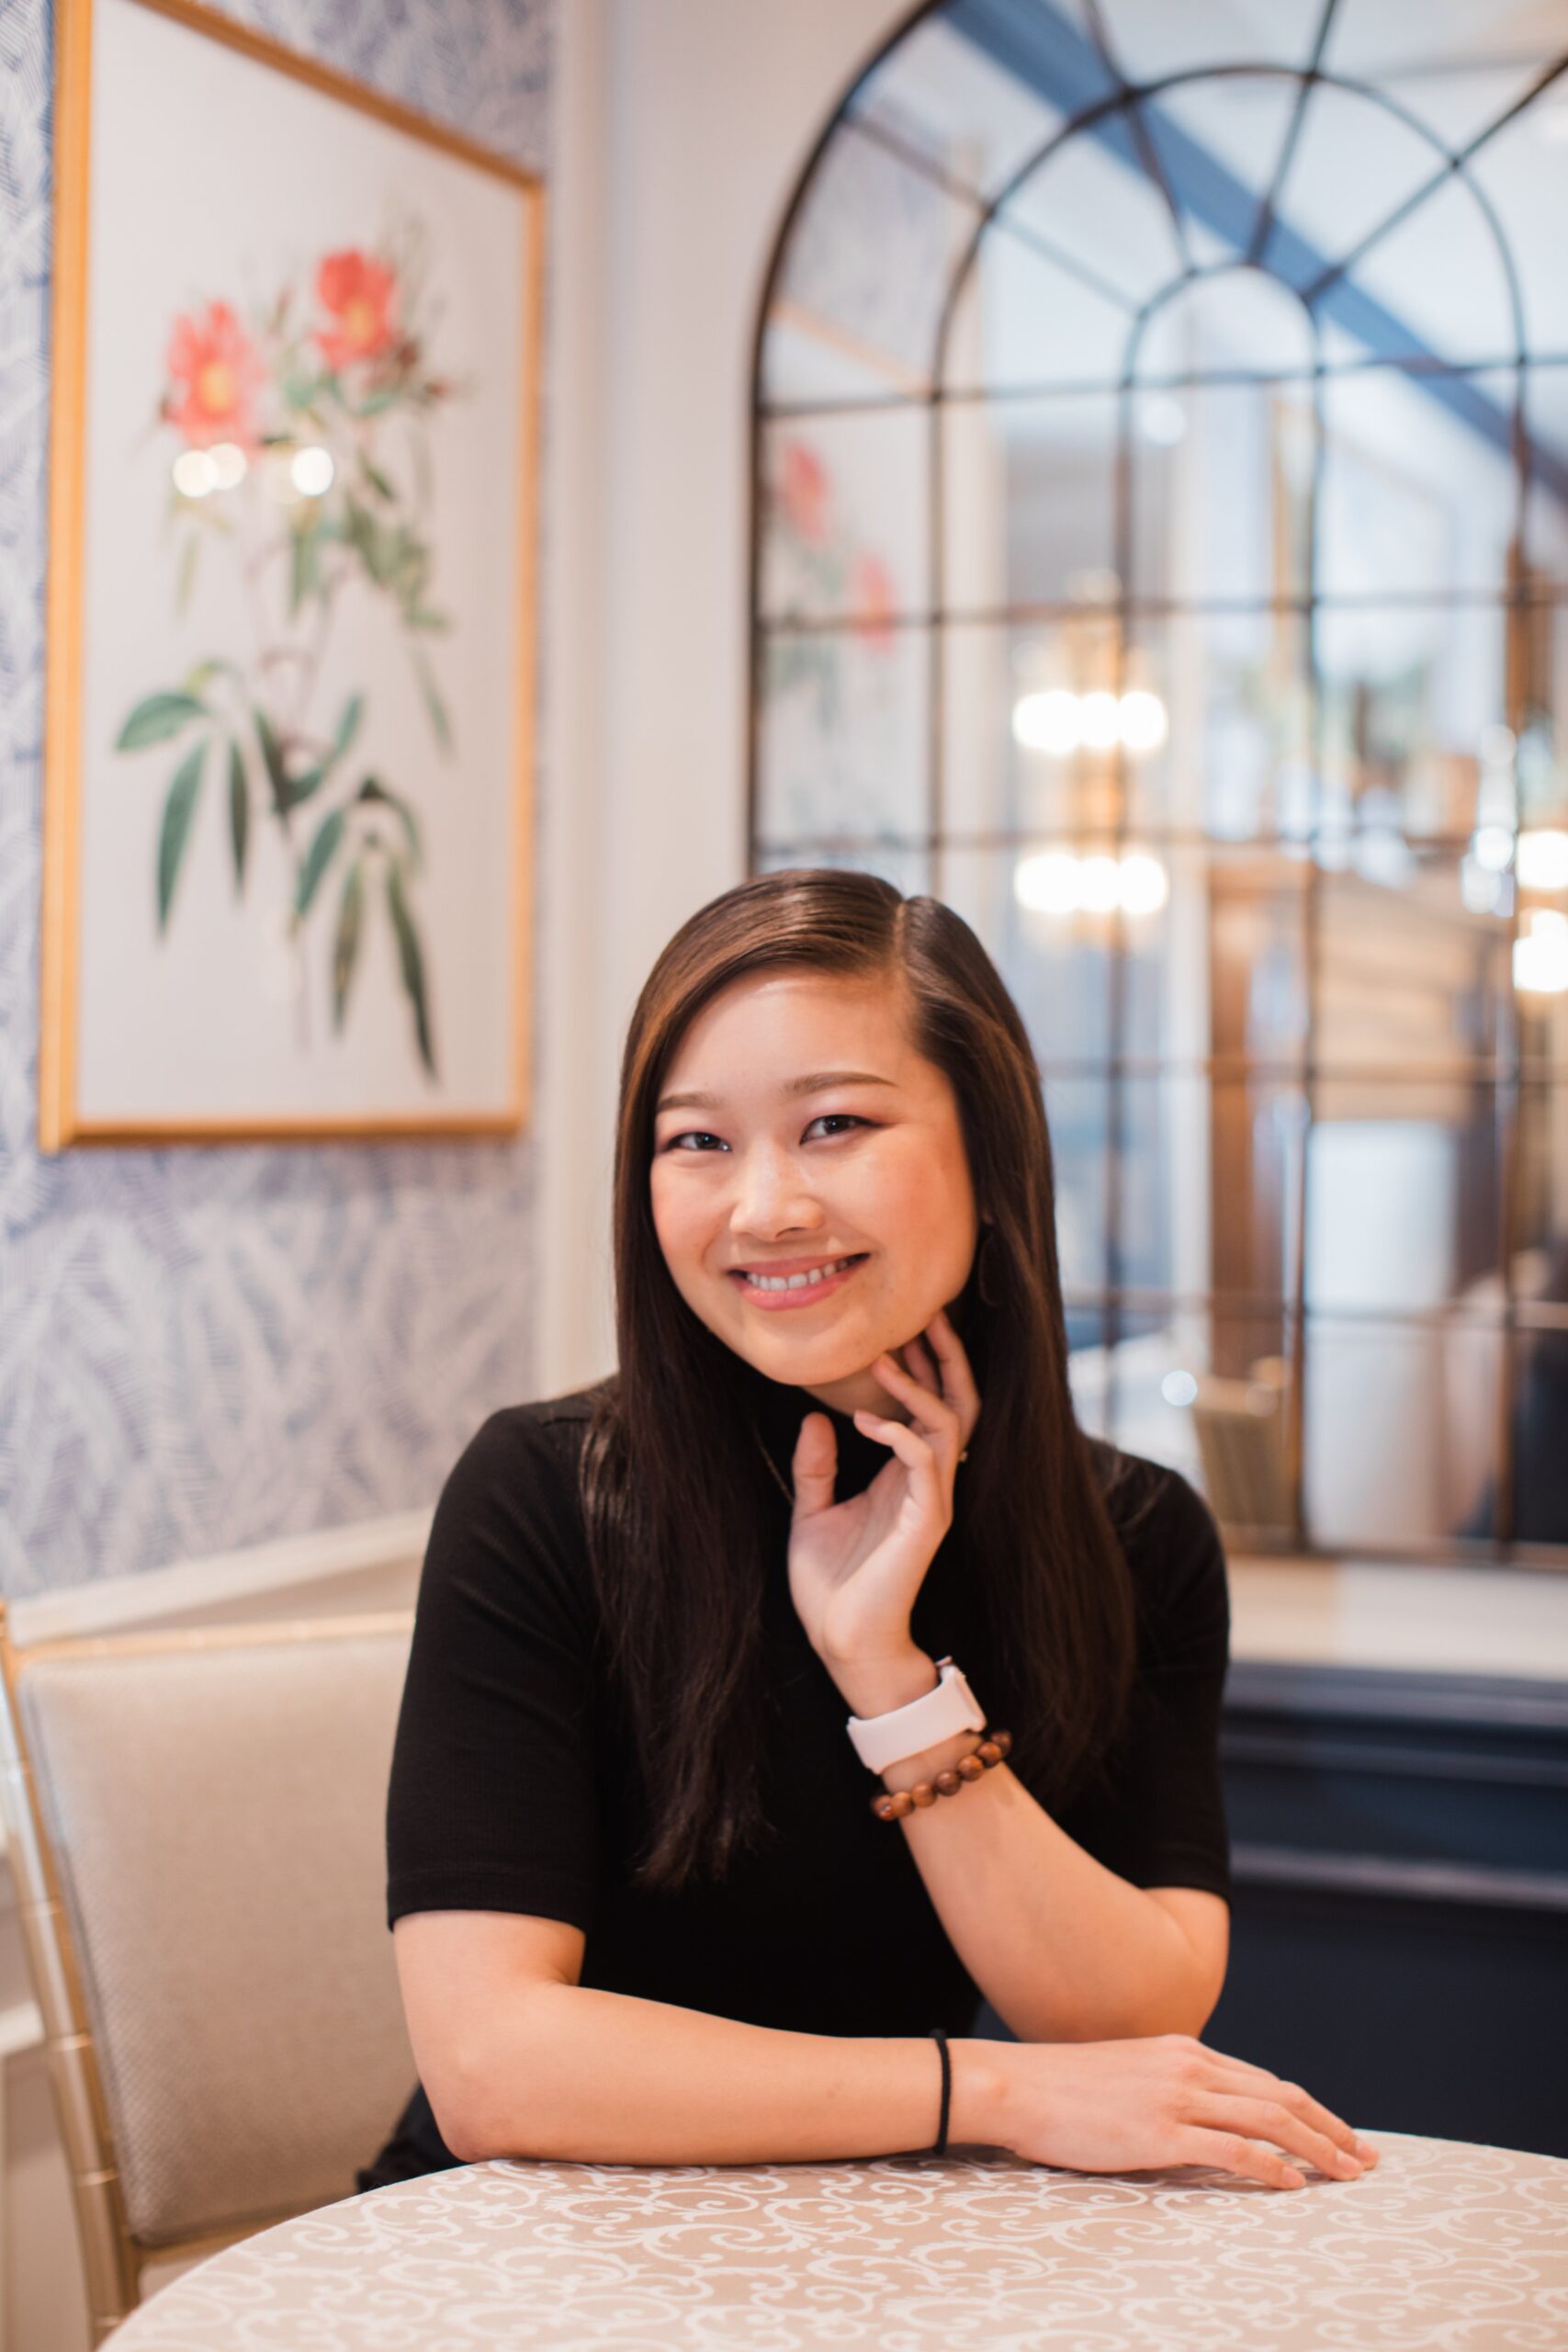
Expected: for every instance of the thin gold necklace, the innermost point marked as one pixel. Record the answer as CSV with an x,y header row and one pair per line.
x,y
778,1481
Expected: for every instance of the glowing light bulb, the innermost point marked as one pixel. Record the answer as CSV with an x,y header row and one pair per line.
x,y
1099,885
310,470
1141,720
1048,882
230,464
1541,862
1048,722
195,473
1540,956
1102,718
1144,886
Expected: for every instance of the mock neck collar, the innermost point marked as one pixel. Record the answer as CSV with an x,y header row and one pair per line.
x,y
778,1408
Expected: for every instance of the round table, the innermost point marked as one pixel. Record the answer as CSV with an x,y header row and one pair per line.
x,y
1441,2245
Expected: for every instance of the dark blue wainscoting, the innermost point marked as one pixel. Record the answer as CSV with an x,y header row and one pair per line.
x,y
1399,1936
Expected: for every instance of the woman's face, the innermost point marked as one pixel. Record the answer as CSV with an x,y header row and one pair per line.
x,y
798,1127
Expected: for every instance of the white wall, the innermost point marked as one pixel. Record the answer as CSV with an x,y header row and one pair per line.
x,y
680,127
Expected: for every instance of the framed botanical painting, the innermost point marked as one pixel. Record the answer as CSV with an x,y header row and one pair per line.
x,y
291,600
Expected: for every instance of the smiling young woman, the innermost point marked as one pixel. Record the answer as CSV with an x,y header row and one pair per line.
x,y
699,1828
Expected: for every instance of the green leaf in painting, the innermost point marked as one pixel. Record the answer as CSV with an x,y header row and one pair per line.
x,y
272,760
377,479
157,717
179,805
436,624
374,790
318,857
348,725
345,942
239,813
433,701
411,962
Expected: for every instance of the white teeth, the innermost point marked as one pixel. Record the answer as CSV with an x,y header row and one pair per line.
x,y
797,1282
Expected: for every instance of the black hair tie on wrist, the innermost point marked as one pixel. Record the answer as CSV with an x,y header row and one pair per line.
x,y
941,2038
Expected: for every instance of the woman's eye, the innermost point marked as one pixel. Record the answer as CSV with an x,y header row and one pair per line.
x,y
700,1138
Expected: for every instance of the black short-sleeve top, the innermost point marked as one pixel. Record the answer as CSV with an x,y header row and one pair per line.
x,y
516,1788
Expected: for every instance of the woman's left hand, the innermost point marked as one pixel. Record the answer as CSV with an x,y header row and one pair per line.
x,y
856,1567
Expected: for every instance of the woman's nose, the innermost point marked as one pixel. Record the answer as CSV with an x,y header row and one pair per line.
x,y
771,1195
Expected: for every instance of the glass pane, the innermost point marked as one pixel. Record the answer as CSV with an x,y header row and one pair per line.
x,y
1028,499
1204,1390
1410,276
1407,976
1151,39
1228,748
1326,209
968,113
1456,79
844,524
844,733
1234,321
1398,1439
1006,690
1419,494
1076,1112
1411,728
909,870
1092,201
1219,144
1028,318
1405,1203
869,257
1249,544
1524,173
1209,1187
1210,952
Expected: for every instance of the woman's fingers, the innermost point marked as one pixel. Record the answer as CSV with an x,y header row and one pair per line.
x,y
1229,2152
957,1380
815,1464
933,1414
925,1477
1257,2082
1271,2119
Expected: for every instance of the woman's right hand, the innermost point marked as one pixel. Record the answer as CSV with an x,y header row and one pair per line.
x,y
1159,2101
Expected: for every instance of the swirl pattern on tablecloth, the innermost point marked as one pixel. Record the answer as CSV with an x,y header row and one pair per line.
x,y
1443,2247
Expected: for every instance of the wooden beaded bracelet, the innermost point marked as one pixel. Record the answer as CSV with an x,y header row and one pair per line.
x,y
894,1804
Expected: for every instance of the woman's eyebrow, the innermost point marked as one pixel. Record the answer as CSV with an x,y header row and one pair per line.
x,y
812,1083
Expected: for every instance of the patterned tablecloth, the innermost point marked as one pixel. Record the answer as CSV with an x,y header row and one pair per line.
x,y
1444,2247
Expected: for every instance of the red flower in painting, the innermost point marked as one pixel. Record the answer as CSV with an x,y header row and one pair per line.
x,y
804,492
361,295
871,601
216,370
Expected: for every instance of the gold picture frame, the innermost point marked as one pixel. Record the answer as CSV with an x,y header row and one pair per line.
x,y
71,1114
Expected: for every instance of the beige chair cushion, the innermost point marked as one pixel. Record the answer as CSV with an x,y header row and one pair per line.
x,y
217,1819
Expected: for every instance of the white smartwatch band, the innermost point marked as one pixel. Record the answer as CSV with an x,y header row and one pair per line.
x,y
881,1740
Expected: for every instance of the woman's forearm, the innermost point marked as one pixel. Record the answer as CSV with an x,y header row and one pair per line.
x,y
570,2071
1062,1948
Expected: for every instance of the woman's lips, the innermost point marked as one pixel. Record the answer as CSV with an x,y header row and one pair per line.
x,y
773,1301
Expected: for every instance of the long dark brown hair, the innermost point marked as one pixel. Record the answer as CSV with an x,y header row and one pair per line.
x,y
674,1489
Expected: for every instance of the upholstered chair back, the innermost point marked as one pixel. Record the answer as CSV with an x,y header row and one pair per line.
x,y
200,1815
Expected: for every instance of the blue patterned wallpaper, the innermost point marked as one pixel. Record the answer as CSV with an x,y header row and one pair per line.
x,y
204,1348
